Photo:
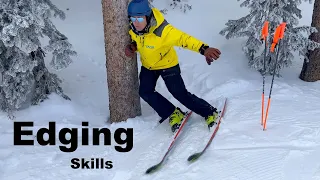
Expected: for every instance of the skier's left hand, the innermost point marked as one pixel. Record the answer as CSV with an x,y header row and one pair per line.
x,y
130,49
211,53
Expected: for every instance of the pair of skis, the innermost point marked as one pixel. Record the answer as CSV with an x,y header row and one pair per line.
x,y
194,156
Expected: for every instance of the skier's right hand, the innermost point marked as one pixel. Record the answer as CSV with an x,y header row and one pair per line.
x,y
130,49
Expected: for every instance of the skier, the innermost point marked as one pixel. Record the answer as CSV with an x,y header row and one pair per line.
x,y
154,38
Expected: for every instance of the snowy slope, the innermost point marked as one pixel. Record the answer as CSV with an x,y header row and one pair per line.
x,y
288,150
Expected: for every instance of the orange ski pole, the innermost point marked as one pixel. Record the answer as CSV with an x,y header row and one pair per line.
x,y
264,35
277,37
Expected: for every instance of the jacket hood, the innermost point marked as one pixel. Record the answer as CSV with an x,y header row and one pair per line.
x,y
156,19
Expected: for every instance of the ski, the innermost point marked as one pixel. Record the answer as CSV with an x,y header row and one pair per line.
x,y
197,155
157,166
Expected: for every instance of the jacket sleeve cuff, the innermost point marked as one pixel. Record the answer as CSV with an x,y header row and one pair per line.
x,y
203,48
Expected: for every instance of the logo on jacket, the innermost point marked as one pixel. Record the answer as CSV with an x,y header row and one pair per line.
x,y
149,47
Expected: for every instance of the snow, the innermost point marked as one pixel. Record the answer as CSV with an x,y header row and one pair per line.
x,y
288,150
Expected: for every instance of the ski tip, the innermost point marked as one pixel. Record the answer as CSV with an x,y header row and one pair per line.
x,y
194,157
153,169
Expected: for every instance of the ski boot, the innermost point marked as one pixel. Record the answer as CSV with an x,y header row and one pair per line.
x,y
211,119
175,119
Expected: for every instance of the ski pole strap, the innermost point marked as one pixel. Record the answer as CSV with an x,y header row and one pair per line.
x,y
278,35
264,31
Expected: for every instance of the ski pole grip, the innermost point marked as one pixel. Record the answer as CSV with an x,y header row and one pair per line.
x,y
278,35
283,27
264,32
276,38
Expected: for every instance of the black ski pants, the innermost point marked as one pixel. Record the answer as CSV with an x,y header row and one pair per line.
x,y
175,84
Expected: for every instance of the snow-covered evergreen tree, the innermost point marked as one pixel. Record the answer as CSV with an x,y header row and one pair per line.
x,y
24,76
181,4
276,12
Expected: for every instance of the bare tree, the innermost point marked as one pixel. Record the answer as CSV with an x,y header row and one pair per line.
x,y
122,72
311,68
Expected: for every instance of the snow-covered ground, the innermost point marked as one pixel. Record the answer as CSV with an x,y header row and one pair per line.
x,y
288,150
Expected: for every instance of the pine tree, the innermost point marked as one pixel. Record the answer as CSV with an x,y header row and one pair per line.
x,y
276,12
24,76
310,71
122,72
182,5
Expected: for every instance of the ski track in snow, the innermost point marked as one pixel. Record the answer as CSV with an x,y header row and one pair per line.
x,y
288,150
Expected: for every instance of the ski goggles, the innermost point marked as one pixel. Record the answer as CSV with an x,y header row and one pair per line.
x,y
133,19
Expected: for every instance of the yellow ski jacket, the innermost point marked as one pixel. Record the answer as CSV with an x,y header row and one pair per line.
x,y
156,47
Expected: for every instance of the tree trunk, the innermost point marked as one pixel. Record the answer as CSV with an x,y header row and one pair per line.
x,y
311,70
122,72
